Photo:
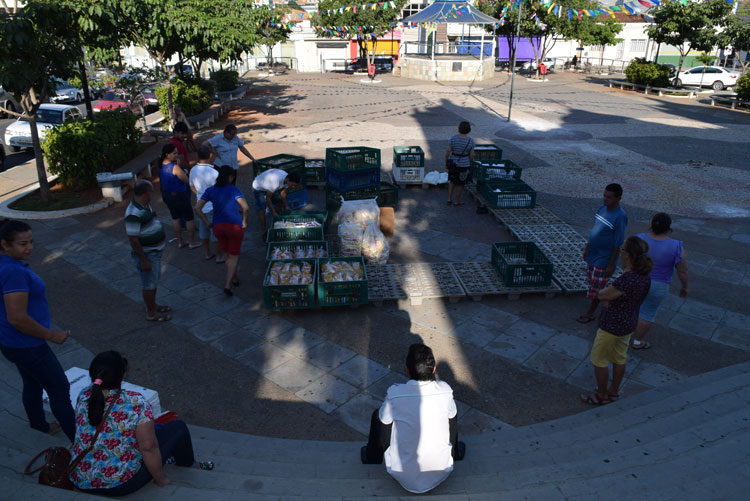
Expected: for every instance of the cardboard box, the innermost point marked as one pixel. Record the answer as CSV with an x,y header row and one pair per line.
x,y
79,379
387,221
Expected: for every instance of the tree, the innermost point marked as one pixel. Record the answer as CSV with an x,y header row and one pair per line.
x,y
36,43
349,20
272,29
692,25
736,34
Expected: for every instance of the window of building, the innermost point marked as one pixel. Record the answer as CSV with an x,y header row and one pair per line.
x,y
413,8
638,45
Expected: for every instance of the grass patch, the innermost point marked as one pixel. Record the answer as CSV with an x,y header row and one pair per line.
x,y
60,198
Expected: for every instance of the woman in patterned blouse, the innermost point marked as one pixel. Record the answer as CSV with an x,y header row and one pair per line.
x,y
129,451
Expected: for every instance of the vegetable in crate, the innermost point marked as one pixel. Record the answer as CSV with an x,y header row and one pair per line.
x,y
341,271
290,274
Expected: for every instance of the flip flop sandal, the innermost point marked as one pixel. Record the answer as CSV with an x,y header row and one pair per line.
x,y
593,399
160,318
204,465
191,246
583,319
209,258
613,396
645,345
163,308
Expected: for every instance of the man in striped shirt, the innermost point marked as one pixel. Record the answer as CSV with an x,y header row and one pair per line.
x,y
146,235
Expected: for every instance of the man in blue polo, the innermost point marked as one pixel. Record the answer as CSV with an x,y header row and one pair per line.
x,y
603,247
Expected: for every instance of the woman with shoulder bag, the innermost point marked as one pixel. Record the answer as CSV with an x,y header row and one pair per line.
x,y
458,159
129,451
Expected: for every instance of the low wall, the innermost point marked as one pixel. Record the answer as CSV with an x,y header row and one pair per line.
x,y
447,69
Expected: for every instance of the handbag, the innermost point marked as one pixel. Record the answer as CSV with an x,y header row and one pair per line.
x,y
57,466
450,164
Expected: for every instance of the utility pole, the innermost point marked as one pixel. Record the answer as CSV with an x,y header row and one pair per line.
x,y
513,64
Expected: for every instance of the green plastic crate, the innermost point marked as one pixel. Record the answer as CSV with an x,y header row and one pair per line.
x,y
315,170
408,156
292,246
295,235
289,163
521,264
487,153
342,293
320,215
352,158
514,194
505,170
290,297
333,196
388,195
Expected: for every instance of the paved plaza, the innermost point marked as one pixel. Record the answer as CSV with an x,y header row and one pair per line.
x,y
227,363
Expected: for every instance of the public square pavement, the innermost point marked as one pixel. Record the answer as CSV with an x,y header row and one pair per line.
x,y
228,363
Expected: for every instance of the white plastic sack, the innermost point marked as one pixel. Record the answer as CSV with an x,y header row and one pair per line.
x,y
375,248
361,212
350,239
432,177
443,178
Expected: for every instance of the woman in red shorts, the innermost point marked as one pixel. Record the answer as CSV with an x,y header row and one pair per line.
x,y
229,221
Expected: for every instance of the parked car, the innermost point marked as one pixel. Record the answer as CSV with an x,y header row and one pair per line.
x,y
65,93
708,76
382,65
549,62
114,100
7,102
2,157
18,134
149,95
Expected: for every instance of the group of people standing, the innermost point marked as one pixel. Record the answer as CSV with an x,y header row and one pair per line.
x,y
631,302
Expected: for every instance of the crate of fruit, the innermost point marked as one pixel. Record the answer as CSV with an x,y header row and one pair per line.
x,y
333,196
290,285
352,180
388,195
352,158
315,171
487,153
288,163
505,170
408,175
521,264
408,156
301,218
342,281
278,251
508,194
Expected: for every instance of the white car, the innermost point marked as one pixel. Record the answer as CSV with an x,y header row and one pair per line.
x,y
18,134
708,76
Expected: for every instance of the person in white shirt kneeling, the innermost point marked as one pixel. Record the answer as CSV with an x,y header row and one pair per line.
x,y
416,428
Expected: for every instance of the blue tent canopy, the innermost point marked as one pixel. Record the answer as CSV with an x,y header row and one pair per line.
x,y
444,11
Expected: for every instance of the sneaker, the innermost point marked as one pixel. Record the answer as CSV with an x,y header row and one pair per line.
x,y
170,460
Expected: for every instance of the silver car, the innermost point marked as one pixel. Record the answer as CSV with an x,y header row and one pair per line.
x,y
708,76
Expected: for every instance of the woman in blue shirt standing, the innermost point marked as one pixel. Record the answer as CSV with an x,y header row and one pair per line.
x,y
176,195
25,330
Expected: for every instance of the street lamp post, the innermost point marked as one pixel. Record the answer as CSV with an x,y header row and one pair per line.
x,y
513,64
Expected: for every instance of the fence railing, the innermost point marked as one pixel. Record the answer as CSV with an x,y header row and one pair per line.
x,y
473,48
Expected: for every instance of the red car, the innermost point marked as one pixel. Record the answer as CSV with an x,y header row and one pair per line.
x,y
116,99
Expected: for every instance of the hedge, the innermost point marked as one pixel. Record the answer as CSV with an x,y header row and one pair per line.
x,y
76,151
226,80
650,73
743,87
193,99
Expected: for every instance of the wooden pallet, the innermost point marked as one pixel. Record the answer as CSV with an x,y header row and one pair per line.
x,y
539,215
480,279
547,234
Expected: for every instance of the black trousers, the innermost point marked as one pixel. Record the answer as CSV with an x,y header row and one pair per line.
x,y
174,441
380,437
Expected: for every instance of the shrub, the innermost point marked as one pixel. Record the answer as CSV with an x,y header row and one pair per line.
x,y
77,150
743,87
645,72
208,85
192,98
226,80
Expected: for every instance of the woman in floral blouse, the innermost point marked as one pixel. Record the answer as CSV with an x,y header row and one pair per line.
x,y
129,451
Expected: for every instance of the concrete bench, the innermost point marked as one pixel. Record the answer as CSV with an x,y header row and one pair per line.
x,y
231,95
114,185
732,101
647,89
205,119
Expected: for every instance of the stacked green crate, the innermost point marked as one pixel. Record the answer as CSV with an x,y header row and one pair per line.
x,y
333,196
352,158
305,250
388,196
288,163
354,162
287,296
408,164
487,153
315,171
505,170
508,194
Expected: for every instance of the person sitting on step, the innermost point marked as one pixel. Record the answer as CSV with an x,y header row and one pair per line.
x,y
416,428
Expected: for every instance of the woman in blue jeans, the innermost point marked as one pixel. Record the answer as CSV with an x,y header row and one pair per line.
x,y
25,330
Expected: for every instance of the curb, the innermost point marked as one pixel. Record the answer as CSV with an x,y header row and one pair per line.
x,y
5,211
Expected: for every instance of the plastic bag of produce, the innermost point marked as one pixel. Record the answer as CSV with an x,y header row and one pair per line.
x,y
432,177
375,248
361,212
350,239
